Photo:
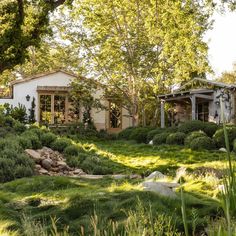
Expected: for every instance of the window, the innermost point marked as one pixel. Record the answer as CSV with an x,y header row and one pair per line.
x,y
45,108
203,111
114,116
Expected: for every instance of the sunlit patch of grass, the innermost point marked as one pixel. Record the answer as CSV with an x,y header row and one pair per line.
x,y
5,226
126,186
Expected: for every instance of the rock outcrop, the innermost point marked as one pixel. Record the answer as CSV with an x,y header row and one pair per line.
x,y
52,163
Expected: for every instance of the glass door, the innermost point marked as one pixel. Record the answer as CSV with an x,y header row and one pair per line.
x,y
59,109
45,109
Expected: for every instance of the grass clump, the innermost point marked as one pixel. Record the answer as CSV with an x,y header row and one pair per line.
x,y
72,150
60,144
48,138
160,138
202,143
193,135
176,138
140,134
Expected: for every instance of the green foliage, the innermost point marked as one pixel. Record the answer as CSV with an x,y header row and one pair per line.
x,y
60,144
193,135
219,139
72,150
196,125
25,142
201,143
18,113
125,133
13,162
32,112
152,133
176,138
48,138
19,127
16,35
140,134
160,138
33,137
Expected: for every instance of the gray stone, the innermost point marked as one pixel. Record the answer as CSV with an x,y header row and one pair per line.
x,y
222,149
155,175
42,171
151,142
135,176
78,172
47,164
35,155
159,188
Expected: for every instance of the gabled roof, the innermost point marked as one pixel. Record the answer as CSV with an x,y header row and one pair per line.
x,y
41,75
210,82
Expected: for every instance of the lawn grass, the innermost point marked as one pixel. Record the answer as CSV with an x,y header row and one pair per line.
x,y
73,201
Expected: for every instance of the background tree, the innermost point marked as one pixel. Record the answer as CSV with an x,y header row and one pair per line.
x,y
228,77
139,46
22,24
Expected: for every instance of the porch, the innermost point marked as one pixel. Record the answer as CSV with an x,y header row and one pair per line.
x,y
195,104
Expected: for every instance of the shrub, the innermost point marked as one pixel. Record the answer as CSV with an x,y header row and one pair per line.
x,y
190,126
152,133
72,150
35,130
176,138
210,128
202,143
73,161
125,134
60,144
219,138
140,134
48,138
234,145
19,127
25,143
192,136
160,138
93,165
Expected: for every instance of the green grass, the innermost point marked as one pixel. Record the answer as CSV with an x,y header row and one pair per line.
x,y
73,201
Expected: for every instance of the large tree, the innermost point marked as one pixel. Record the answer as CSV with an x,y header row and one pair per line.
x,y
228,77
139,48
22,24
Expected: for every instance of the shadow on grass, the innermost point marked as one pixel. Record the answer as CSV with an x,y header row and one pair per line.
x,y
74,201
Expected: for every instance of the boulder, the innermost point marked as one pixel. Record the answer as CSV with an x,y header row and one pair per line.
x,y
155,175
42,171
159,188
222,149
135,176
47,164
78,172
35,155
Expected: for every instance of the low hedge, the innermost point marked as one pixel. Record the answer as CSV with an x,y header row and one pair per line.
x,y
176,138
193,135
60,144
219,138
125,134
140,134
195,125
48,138
160,138
202,143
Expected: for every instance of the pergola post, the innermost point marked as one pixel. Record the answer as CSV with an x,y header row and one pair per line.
x,y
162,114
193,102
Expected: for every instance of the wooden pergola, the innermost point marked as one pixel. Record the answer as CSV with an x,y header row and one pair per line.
x,y
191,95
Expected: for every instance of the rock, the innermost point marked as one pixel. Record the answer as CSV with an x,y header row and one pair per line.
x,y
38,167
91,176
169,185
155,175
222,149
35,155
42,171
135,176
151,142
47,164
159,188
119,176
78,172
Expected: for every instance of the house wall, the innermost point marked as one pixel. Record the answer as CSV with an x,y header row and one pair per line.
x,y
21,90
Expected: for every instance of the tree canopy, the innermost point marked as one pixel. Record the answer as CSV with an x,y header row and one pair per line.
x,y
22,24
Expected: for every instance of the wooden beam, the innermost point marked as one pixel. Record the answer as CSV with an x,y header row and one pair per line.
x,y
208,97
162,114
177,98
193,102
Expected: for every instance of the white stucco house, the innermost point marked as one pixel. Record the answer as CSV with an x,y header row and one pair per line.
x,y
50,92
199,99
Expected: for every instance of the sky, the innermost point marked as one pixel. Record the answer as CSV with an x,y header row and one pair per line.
x,y
222,42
